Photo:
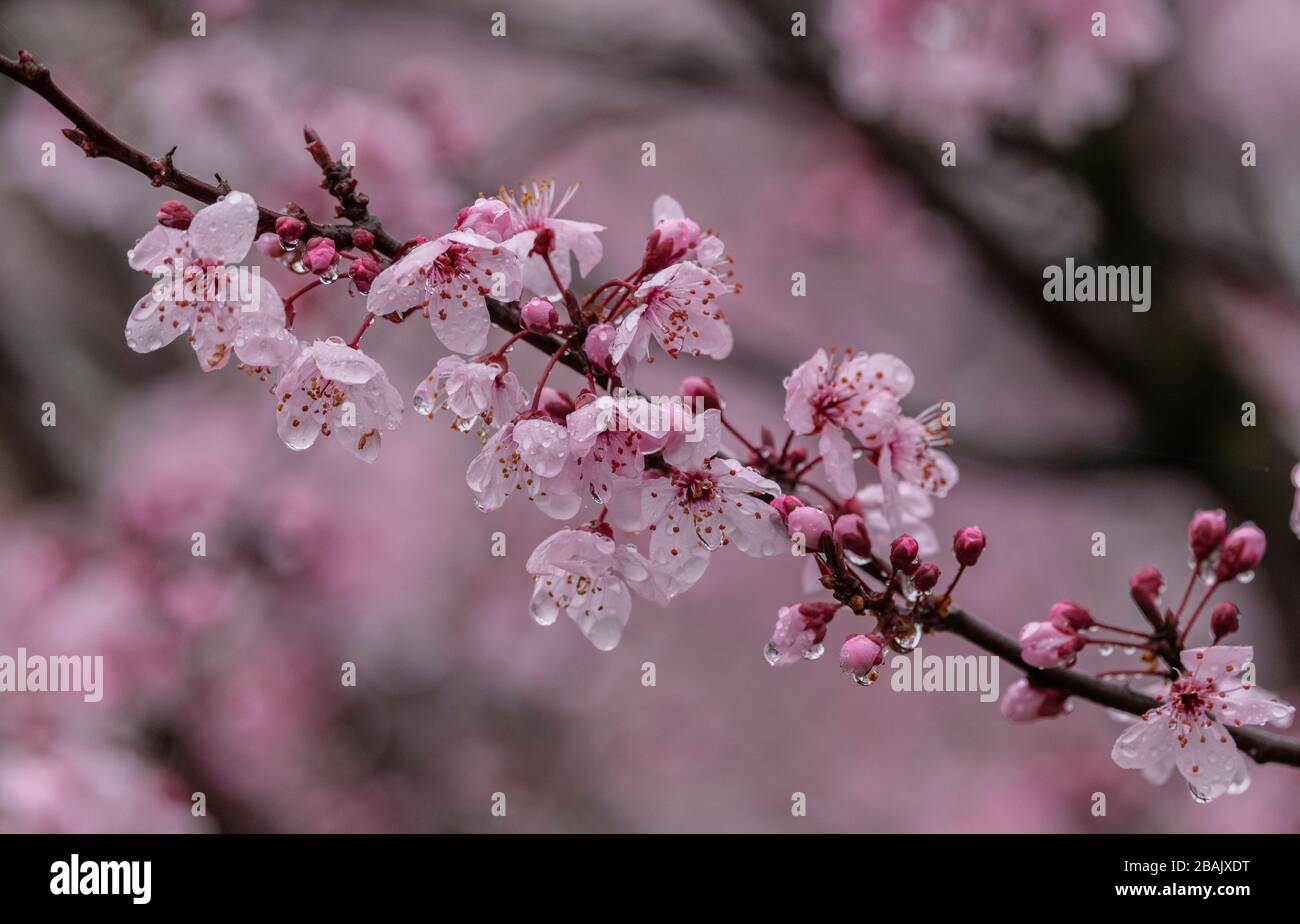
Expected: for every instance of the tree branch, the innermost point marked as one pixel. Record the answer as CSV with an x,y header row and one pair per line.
x,y
97,141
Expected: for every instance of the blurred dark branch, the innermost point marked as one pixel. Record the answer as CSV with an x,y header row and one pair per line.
x,y
1262,746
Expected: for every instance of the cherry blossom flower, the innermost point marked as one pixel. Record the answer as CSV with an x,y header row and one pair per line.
x,y
703,248
336,390
204,294
675,306
470,390
607,439
450,278
1189,730
534,209
528,454
716,505
588,575
859,393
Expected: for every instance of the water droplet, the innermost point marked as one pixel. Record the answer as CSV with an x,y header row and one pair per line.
x,y
771,654
909,641
1130,650
1237,787
1105,650
423,405
287,245
815,652
465,424
1198,797
329,275
1245,577
866,680
857,560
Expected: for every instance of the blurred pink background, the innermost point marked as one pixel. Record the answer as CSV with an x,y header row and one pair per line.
x,y
816,155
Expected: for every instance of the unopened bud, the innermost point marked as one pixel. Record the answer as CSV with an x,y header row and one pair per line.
x,y
175,214
698,386
1241,552
1225,619
1068,616
289,230
903,552
539,316
926,577
1205,533
851,535
967,545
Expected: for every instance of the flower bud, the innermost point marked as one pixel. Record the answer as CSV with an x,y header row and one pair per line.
x,y
320,256
903,552
860,654
289,230
1049,644
851,535
818,612
363,240
596,347
698,386
1147,581
556,404
784,504
967,545
1069,616
1205,533
926,577
796,456
487,217
539,316
364,270
175,214
812,522
1241,552
1145,586
1225,619
1024,702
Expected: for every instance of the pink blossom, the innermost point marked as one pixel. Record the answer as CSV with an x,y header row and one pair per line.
x,y
675,306
472,390
833,396
968,545
489,218
339,391
588,576
1025,702
1046,645
1205,533
528,454
539,316
450,278
228,307
704,249
1188,730
534,209
716,505
607,441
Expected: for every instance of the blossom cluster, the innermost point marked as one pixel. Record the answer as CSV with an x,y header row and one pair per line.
x,y
1202,692
664,483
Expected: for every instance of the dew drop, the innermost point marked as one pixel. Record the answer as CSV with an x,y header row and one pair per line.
x,y
1198,797
866,680
771,654
1105,650
815,652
